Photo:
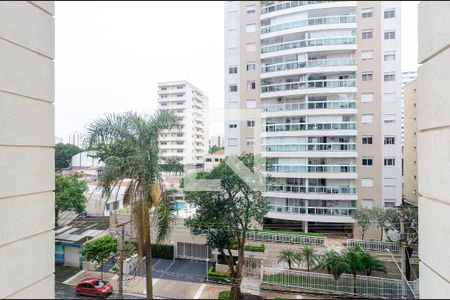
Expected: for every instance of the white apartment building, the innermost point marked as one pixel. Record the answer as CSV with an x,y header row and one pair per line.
x,y
77,138
407,76
326,77
188,141
27,156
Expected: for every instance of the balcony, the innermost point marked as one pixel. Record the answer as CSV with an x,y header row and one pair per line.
x,y
312,168
310,84
298,189
308,126
286,66
327,211
309,147
331,41
288,4
309,105
309,22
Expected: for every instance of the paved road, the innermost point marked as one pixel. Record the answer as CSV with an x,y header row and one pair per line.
x,y
63,291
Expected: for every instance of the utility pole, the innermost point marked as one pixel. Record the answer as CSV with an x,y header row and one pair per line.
x,y
402,252
121,246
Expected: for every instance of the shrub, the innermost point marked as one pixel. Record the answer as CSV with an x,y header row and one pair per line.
x,y
217,276
260,248
224,295
162,251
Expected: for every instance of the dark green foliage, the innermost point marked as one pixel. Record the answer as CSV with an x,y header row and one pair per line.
x,y
99,250
63,155
69,194
162,251
224,295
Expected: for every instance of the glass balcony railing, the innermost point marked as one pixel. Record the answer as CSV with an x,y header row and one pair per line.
x,y
299,189
309,105
288,4
329,211
309,22
312,168
332,62
308,126
309,43
310,84
309,147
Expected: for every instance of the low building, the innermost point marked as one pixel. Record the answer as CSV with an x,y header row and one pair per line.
x,y
97,204
216,140
214,159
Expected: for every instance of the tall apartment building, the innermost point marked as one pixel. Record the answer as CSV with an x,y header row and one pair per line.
x,y
27,157
433,144
410,146
216,140
407,76
188,141
77,138
326,78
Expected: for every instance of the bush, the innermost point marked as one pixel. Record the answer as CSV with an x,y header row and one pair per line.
x,y
162,251
217,276
224,295
260,248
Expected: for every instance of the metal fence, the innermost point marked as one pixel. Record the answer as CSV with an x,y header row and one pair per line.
x,y
375,245
366,286
285,238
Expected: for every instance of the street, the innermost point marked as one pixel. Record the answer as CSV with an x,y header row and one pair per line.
x,y
63,291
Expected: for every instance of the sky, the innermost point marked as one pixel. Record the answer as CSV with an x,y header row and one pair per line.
x,y
111,55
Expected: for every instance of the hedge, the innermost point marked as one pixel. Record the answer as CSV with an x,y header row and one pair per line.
x,y
162,251
224,295
217,276
260,248
290,232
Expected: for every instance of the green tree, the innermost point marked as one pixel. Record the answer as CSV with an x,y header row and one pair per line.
x,y
128,145
371,264
289,256
69,194
99,250
334,263
173,164
354,259
214,149
379,216
227,215
63,155
309,257
363,218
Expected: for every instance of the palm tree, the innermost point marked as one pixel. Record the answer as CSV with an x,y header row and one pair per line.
x,y
289,256
354,259
310,257
128,145
371,264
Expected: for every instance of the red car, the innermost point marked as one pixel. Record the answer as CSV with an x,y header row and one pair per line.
x,y
93,287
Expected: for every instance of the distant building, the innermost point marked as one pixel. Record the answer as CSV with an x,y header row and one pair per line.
x,y
214,159
410,146
407,76
216,140
188,141
58,140
98,205
86,165
78,139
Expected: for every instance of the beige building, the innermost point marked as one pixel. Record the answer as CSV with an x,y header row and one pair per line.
x,y
27,138
216,140
433,148
410,147
213,160
325,77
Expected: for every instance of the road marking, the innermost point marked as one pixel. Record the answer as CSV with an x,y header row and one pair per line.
x,y
73,277
166,270
199,291
299,297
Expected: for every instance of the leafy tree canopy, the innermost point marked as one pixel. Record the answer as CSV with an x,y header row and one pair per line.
x,y
63,155
69,194
214,149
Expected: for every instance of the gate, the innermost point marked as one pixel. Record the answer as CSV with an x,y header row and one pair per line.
x,y
194,251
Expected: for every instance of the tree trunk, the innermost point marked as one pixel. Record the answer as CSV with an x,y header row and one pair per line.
x,y
363,234
148,258
236,289
354,284
101,270
408,252
381,234
289,264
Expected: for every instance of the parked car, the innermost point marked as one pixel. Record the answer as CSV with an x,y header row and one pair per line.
x,y
93,287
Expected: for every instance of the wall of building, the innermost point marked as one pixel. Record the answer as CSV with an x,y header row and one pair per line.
x,y
410,147
27,246
433,144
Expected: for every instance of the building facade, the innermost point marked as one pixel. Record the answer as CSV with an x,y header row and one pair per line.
x,y
433,144
407,76
188,141
216,140
213,160
27,156
410,146
78,139
325,76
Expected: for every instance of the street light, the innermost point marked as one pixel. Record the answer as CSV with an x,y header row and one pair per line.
x,y
403,275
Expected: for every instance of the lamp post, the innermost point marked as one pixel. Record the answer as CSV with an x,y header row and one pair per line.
x,y
401,272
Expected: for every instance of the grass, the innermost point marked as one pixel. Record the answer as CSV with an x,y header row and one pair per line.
x,y
290,232
224,295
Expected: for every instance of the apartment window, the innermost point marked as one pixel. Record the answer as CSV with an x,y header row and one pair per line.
x,y
367,34
389,77
180,103
208,160
163,143
250,104
180,87
389,203
389,140
232,70
389,35
251,66
250,47
251,123
366,119
367,203
250,141
389,97
388,14
232,142
232,125
367,76
367,161
367,97
180,95
163,88
367,55
367,182
249,28
389,161
389,55
251,85
216,159
367,140
367,12
390,182
179,150
389,118
232,88
251,9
